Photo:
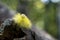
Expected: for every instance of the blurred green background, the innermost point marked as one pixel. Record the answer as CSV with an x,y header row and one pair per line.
x,y
41,14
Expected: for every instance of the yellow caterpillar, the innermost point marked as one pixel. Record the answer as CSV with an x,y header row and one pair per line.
x,y
22,20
